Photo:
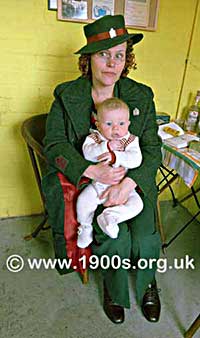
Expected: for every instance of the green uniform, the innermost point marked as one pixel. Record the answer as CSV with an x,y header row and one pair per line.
x,y
67,126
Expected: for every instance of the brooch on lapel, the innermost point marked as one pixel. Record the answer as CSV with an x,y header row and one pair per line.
x,y
136,112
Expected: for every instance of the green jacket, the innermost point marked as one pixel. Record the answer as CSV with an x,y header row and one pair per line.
x,y
67,126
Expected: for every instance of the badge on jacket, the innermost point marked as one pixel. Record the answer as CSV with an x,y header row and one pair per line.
x,y
136,112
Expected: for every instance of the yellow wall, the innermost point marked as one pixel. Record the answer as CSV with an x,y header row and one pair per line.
x,y
37,53
187,88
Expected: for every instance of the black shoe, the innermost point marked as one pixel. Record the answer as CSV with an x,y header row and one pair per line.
x,y
151,304
114,312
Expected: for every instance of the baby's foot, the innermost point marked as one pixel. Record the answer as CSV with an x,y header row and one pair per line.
x,y
108,225
84,236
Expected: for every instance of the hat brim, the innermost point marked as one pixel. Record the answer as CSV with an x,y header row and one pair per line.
x,y
108,43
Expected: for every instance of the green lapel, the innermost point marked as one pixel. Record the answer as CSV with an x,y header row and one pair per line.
x,y
131,93
77,101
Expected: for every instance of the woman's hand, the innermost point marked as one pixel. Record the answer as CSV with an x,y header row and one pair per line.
x,y
118,194
104,173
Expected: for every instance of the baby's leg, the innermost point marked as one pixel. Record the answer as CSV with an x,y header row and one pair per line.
x,y
130,209
109,219
87,203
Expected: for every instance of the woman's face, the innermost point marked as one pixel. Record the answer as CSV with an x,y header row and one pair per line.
x,y
107,65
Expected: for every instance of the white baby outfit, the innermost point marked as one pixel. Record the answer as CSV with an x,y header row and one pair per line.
x,y
88,200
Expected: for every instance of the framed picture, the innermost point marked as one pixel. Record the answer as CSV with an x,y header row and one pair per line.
x,y
101,8
52,5
73,10
140,14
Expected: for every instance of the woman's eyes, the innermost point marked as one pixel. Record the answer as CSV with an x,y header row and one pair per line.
x,y
107,55
104,54
119,56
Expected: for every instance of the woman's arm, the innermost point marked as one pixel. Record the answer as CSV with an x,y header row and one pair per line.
x,y
59,151
104,173
118,194
150,145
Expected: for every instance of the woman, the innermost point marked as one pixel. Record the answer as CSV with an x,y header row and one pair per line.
x,y
104,63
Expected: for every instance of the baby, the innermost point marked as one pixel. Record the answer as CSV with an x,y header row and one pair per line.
x,y
114,144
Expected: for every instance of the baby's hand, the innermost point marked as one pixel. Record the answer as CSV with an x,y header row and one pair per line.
x,y
116,145
106,157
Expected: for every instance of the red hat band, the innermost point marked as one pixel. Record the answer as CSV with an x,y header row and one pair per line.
x,y
107,35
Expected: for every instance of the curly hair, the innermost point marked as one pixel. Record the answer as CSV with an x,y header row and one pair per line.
x,y
85,64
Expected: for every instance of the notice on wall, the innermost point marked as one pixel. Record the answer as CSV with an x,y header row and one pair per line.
x,y
102,7
137,12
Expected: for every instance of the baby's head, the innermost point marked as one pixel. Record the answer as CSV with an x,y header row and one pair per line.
x,y
113,118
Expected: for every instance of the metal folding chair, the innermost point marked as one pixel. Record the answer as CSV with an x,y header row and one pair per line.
x,y
193,328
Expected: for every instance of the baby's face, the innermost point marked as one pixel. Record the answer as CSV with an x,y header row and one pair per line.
x,y
113,124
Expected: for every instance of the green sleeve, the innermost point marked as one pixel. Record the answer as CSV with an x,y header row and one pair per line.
x,y
150,145
59,150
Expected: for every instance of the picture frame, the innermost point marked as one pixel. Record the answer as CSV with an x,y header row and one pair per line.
x,y
139,14
74,10
52,5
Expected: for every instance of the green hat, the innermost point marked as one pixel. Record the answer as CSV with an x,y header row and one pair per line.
x,y
105,33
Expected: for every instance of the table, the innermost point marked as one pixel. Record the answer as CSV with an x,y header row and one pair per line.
x,y
182,163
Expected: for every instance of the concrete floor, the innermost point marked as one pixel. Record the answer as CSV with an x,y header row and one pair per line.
x,y
44,304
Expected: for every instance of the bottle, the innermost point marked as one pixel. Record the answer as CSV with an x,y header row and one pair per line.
x,y
193,115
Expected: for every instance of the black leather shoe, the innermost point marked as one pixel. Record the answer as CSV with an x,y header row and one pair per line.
x,y
151,304
114,312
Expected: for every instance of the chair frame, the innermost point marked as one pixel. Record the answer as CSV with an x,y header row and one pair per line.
x,y
35,149
193,328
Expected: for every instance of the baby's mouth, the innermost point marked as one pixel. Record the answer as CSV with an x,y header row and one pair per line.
x,y
116,135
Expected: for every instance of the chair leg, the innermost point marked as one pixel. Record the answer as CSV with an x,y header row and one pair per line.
x,y
159,223
38,229
193,328
85,277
